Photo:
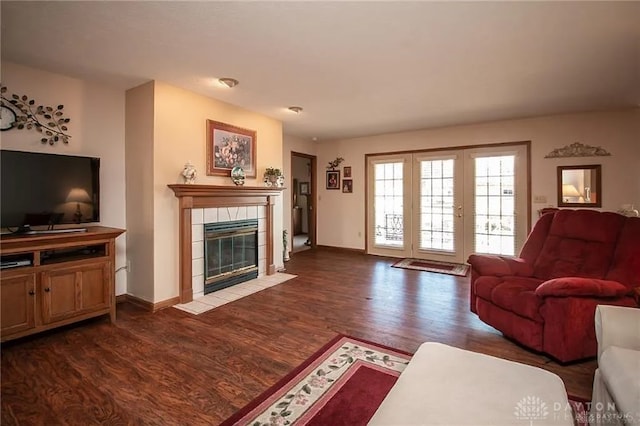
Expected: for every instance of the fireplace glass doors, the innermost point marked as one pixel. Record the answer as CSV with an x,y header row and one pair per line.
x,y
231,253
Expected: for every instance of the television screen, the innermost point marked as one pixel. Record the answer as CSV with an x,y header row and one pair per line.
x,y
43,190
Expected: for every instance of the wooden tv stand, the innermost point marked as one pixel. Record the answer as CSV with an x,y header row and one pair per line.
x,y
53,279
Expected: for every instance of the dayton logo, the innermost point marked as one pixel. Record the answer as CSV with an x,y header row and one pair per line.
x,y
531,408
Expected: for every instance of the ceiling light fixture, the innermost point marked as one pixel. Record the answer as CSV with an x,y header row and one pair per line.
x,y
229,82
295,109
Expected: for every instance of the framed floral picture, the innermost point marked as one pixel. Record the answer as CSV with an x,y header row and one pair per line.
x,y
347,186
333,179
230,146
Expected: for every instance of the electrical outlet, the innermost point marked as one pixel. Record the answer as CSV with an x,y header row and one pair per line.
x,y
360,234
540,199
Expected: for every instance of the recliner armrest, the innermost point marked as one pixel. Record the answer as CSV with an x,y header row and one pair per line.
x,y
579,287
499,266
617,326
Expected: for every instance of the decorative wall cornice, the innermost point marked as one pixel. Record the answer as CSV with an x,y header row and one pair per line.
x,y
578,150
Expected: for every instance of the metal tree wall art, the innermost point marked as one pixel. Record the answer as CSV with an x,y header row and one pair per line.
x,y
44,119
335,163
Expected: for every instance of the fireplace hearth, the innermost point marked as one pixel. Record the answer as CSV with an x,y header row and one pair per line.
x,y
231,253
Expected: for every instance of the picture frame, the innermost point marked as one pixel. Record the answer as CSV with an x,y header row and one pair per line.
x,y
229,146
304,188
347,186
346,172
333,179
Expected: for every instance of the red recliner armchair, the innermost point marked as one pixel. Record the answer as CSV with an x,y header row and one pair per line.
x,y
572,261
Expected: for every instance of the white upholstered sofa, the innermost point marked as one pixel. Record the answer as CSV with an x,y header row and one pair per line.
x,y
616,385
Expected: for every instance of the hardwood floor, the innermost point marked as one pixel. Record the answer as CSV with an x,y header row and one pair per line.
x,y
173,368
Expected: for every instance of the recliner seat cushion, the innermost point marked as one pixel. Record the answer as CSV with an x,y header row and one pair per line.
x,y
517,294
514,294
484,286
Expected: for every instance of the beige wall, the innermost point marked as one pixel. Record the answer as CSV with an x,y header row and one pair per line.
x,y
179,136
96,129
299,145
139,190
341,216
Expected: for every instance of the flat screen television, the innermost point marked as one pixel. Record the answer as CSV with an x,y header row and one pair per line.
x,y
43,190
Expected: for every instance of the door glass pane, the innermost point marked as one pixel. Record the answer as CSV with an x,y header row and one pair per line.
x,y
495,205
389,220
436,205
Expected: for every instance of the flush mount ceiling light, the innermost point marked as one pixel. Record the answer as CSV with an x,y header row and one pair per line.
x,y
295,109
229,82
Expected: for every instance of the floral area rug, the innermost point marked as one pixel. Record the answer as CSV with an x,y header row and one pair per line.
x,y
341,384
433,266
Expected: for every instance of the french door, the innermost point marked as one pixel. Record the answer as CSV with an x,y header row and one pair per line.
x,y
445,205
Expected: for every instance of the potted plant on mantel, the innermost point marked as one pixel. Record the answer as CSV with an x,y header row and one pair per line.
x,y
273,177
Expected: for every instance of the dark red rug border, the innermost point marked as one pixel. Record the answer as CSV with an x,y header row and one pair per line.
x,y
280,383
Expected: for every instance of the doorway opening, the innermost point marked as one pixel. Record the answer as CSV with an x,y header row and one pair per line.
x,y
303,213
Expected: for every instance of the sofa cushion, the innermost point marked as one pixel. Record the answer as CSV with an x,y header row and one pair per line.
x,y
517,294
619,367
581,243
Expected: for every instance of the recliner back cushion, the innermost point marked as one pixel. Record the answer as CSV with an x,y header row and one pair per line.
x,y
581,243
625,267
535,241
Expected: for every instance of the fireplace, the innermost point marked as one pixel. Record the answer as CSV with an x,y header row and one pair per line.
x,y
230,253
200,204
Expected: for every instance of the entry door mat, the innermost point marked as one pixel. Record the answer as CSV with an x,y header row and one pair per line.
x,y
449,268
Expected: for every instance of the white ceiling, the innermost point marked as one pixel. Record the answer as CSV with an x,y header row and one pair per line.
x,y
357,68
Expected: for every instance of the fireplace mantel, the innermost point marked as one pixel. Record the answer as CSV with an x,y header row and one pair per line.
x,y
205,196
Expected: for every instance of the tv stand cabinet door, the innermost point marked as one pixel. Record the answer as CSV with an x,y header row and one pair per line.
x,y
70,292
17,303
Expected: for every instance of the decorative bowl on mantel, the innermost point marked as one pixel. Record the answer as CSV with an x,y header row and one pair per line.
x,y
237,175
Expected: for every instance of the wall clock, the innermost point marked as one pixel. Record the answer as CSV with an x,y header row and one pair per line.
x,y
7,118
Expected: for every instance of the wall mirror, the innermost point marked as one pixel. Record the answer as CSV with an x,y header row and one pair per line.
x,y
580,186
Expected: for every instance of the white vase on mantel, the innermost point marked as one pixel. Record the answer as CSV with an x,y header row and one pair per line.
x,y
274,181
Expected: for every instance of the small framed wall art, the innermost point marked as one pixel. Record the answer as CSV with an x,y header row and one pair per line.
x,y
347,186
333,179
347,172
304,188
228,147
